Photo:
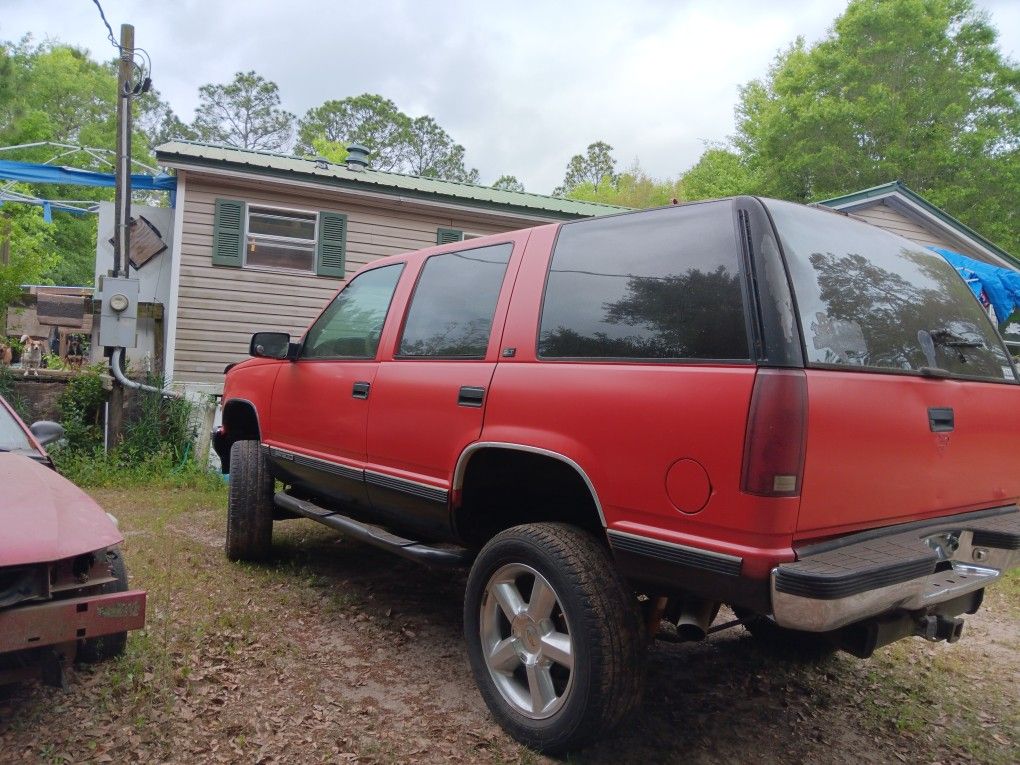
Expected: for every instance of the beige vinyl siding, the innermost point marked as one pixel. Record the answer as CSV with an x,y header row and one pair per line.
x,y
219,308
884,216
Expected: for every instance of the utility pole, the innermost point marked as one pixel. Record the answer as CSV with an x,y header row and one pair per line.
x,y
122,205
122,198
5,258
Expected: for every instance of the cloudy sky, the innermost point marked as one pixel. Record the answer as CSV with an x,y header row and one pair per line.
x,y
523,85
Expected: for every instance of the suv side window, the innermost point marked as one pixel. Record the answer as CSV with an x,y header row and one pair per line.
x,y
352,324
451,312
662,284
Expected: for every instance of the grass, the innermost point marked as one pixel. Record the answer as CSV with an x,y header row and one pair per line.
x,y
246,663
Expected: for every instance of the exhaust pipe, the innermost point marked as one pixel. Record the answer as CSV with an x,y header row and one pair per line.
x,y
695,618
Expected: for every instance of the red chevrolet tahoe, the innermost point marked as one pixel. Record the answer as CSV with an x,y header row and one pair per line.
x,y
622,423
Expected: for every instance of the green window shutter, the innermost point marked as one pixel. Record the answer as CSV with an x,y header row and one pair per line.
x,y
332,248
448,235
228,233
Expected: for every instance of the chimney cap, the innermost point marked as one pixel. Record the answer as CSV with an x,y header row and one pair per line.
x,y
357,157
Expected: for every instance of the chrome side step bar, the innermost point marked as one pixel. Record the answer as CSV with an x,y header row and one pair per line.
x,y
375,535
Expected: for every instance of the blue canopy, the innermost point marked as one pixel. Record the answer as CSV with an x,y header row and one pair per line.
x,y
30,172
1000,285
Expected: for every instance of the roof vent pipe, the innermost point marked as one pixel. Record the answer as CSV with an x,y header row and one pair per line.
x,y
357,157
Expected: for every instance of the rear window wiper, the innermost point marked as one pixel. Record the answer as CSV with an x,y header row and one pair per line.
x,y
949,339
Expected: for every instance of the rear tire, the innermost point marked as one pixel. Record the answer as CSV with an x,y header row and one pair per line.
x,y
567,666
783,643
107,646
249,503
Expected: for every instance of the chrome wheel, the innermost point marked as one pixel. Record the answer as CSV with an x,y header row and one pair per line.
x,y
526,641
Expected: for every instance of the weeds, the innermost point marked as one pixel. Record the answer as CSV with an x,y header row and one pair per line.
x,y
157,448
7,391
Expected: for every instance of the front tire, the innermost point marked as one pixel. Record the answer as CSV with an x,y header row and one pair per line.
x,y
249,503
107,646
553,635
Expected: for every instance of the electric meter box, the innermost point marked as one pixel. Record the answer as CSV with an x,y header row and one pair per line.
x,y
118,320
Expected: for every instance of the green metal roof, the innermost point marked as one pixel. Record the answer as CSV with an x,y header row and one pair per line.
x,y
283,166
899,187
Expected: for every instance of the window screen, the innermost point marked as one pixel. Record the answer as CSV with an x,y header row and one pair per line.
x,y
661,284
280,239
451,311
352,324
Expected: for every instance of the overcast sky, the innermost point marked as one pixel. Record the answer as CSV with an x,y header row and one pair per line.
x,y
522,85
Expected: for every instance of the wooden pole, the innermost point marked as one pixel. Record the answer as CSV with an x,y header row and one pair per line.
x,y
122,196
122,206
5,258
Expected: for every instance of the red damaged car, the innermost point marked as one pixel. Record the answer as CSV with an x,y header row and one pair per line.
x,y
63,584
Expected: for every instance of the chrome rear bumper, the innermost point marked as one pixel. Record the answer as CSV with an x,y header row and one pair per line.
x,y
909,568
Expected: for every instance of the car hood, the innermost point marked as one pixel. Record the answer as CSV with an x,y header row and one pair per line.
x,y
44,517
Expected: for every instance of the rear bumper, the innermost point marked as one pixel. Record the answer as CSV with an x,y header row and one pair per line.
x,y
65,621
913,567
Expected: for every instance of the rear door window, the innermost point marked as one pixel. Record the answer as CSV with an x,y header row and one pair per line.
x,y
451,312
662,284
871,300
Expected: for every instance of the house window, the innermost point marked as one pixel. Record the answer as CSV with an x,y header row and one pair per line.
x,y
450,235
280,239
256,236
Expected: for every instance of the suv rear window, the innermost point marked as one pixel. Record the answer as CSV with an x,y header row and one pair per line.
x,y
870,299
661,284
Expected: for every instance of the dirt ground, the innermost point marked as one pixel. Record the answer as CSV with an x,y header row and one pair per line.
x,y
336,652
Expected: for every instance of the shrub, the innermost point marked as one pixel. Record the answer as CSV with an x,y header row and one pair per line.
x,y
157,447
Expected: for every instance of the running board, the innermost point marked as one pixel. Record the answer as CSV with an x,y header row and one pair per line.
x,y
375,535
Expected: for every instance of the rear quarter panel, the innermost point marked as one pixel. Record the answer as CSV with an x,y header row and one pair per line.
x,y
626,424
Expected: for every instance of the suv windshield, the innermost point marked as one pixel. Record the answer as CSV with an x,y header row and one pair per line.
x,y
870,299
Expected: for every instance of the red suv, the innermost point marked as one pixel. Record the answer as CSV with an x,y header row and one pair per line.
x,y
622,423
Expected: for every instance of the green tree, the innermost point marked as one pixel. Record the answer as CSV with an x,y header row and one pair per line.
x,y
54,92
156,118
396,142
632,188
29,246
333,151
432,153
370,120
508,183
245,113
914,90
596,167
719,172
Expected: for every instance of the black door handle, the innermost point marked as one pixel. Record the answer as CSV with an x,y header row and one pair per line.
x,y
360,390
941,419
471,396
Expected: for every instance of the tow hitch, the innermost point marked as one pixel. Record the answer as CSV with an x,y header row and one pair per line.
x,y
863,638
936,627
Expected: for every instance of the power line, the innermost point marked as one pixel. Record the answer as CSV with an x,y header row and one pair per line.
x,y
109,29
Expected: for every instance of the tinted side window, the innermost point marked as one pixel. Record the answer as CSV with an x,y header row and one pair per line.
x,y
662,284
453,304
352,324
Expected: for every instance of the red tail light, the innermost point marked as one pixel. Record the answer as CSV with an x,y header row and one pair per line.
x,y
776,432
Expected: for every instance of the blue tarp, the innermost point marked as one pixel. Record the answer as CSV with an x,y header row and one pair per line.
x,y
30,172
1001,286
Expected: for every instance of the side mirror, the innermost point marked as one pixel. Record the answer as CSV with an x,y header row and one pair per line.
x,y
46,431
270,345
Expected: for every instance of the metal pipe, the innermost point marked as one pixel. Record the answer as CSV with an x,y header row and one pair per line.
x,y
129,383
